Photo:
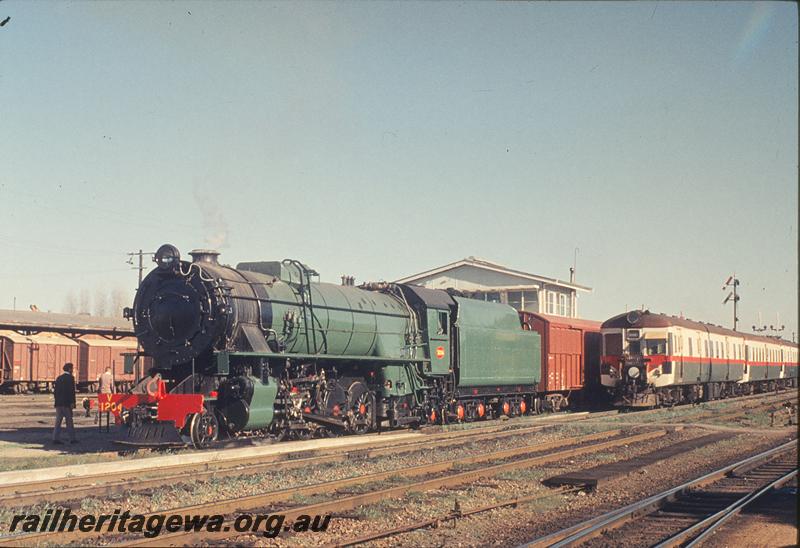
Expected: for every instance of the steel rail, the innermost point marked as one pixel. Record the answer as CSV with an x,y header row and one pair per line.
x,y
76,487
742,411
261,500
453,515
95,479
72,488
349,502
713,522
615,518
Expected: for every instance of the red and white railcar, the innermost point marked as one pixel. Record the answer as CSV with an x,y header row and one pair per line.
x,y
654,359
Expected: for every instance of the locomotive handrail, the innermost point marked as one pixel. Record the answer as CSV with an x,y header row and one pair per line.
x,y
308,307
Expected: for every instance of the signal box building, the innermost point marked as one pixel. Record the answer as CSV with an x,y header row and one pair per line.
x,y
489,281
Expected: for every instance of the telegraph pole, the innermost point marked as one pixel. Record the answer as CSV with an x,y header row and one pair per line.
x,y
732,281
140,268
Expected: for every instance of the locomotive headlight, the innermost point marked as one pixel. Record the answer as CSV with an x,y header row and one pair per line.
x,y
633,372
167,257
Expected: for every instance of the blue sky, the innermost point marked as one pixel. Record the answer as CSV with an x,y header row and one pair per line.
x,y
383,139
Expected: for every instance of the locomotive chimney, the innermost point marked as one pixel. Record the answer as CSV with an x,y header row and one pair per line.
x,y
204,256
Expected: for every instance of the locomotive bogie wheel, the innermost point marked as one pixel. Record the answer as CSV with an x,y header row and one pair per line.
x,y
204,429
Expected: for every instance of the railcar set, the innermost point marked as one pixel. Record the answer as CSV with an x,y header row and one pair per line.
x,y
263,348
654,359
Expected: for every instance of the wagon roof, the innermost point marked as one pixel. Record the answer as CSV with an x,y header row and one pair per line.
x,y
127,342
49,321
41,338
588,325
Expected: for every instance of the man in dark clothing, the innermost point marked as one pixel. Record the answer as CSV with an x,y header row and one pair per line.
x,y
64,404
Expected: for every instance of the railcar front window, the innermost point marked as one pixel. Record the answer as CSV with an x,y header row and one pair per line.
x,y
613,344
655,346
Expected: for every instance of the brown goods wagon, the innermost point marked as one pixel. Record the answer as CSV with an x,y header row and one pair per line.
x,y
97,353
570,347
32,362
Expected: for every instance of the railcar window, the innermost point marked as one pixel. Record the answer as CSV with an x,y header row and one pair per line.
x,y
690,348
655,346
613,344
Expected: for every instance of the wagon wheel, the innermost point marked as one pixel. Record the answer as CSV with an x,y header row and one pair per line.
x,y
204,429
361,408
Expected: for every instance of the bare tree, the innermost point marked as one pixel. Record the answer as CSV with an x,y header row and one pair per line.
x,y
84,302
100,301
71,303
119,300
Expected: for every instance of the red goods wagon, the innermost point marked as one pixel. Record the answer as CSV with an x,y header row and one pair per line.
x,y
570,348
32,362
97,353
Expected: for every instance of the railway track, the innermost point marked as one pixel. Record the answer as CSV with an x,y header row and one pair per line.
x,y
76,487
377,486
109,484
684,515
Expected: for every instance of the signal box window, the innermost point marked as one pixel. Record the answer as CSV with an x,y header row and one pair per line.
x,y
515,299
530,301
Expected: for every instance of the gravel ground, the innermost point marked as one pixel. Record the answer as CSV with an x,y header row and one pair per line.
x,y
175,496
512,526
480,529
502,527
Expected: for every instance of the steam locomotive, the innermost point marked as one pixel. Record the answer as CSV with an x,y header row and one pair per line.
x,y
265,348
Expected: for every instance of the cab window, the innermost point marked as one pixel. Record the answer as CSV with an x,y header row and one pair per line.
x,y
442,329
655,346
613,344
